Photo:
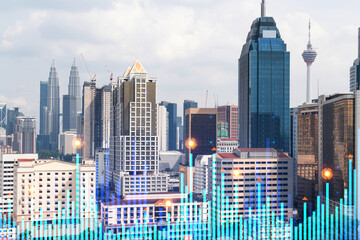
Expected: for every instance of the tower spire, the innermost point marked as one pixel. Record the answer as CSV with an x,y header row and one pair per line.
x,y
263,9
309,31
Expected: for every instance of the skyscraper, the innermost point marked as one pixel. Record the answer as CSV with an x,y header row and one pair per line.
x,y
3,115
355,70
134,146
43,108
309,56
264,80
171,108
53,106
163,128
72,101
201,124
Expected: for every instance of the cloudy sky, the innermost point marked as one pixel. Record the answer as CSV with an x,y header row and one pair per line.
x,y
190,45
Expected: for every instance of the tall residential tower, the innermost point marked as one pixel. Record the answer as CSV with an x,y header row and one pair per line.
x,y
264,79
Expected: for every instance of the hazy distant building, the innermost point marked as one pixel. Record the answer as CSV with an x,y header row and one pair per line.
x,y
43,108
293,132
53,107
201,124
72,101
3,115
134,144
12,114
180,134
163,128
355,70
66,142
171,108
264,87
25,135
230,115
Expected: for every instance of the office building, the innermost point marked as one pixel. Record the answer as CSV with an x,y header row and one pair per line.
x,y
69,113
95,123
307,155
201,125
264,79
12,114
3,115
74,88
6,149
336,140
43,108
180,134
355,70
53,107
51,187
102,166
171,108
230,115
25,135
243,171
187,104
163,128
156,210
134,143
7,162
309,56
66,142
3,138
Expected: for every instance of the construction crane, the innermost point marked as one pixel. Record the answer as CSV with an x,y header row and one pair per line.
x,y
92,78
110,73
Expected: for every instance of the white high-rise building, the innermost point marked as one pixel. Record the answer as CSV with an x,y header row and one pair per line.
x,y
7,162
25,135
134,141
43,188
201,176
66,142
163,128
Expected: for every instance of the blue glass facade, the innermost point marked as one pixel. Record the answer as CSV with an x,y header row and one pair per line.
x,y
171,108
264,82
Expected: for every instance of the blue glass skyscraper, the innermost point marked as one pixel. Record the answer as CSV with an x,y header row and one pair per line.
x,y
264,79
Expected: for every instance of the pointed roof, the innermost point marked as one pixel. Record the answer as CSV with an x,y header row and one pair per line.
x,y
53,64
126,73
74,63
137,68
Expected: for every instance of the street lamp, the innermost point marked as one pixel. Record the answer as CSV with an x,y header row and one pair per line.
x,y
327,174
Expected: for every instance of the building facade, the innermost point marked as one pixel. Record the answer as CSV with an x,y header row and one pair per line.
x,y
42,187
230,115
264,81
237,176
7,162
187,104
307,155
163,128
134,143
66,142
43,108
12,114
171,108
201,125
336,141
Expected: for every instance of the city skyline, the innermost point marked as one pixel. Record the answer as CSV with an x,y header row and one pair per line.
x,y
166,58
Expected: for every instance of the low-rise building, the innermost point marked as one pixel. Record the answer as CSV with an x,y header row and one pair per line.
x,y
226,145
